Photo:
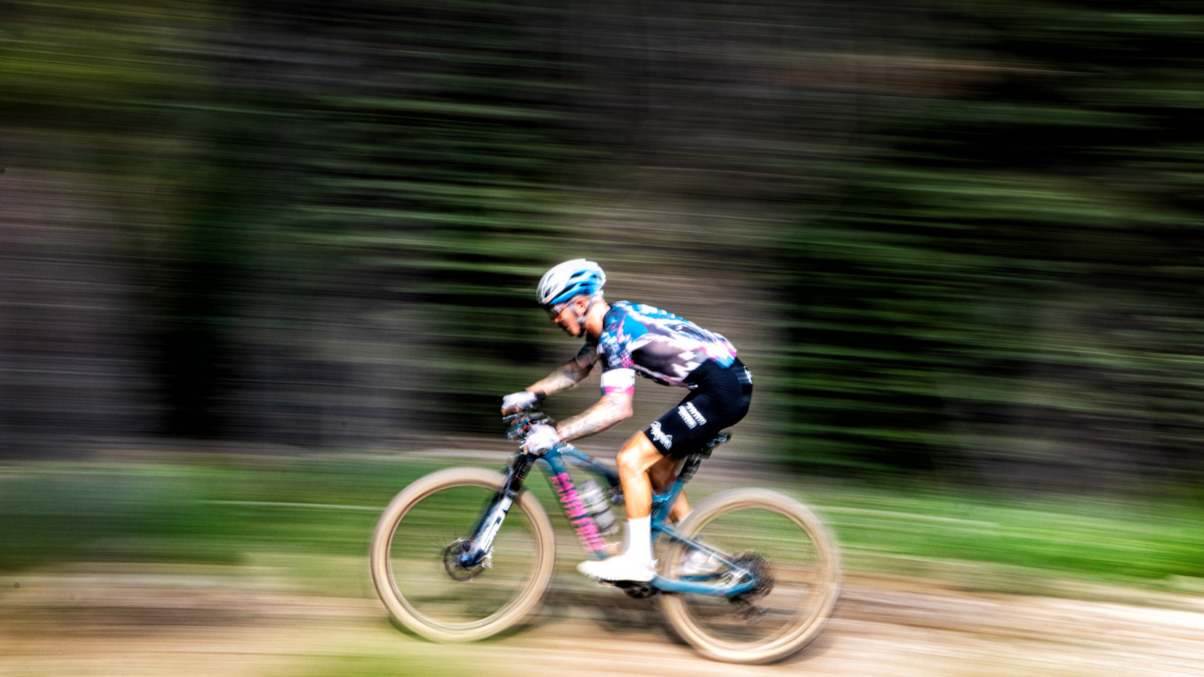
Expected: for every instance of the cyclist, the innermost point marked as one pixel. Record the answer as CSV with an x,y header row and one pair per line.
x,y
630,339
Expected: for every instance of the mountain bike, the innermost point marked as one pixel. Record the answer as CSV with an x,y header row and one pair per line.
x,y
749,576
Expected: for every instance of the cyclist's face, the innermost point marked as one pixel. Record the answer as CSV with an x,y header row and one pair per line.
x,y
564,317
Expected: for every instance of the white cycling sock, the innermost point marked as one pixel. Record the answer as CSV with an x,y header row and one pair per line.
x,y
639,538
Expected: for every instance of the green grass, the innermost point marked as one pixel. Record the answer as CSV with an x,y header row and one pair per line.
x,y
202,511
376,666
1092,538
233,510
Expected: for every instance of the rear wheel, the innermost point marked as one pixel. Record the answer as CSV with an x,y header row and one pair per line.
x,y
792,557
416,552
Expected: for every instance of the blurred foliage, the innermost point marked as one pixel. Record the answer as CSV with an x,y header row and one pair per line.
x,y
973,229
1010,288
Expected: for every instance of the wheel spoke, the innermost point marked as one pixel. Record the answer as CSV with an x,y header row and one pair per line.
x,y
449,595
794,564
416,558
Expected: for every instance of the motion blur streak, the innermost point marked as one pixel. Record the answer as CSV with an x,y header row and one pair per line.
x,y
249,249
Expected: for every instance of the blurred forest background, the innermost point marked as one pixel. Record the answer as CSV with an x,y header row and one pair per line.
x,y
950,238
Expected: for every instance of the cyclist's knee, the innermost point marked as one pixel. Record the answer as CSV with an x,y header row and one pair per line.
x,y
637,456
628,460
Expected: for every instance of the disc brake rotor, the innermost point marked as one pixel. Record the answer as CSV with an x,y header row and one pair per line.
x,y
451,561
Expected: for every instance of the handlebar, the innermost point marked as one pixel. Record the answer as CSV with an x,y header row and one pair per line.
x,y
520,424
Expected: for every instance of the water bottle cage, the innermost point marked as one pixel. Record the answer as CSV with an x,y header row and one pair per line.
x,y
614,494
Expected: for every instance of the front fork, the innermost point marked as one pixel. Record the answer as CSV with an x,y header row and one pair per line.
x,y
477,554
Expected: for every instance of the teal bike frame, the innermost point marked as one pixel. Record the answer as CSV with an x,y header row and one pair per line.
x,y
729,580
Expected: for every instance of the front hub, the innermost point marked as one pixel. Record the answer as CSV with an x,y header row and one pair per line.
x,y
459,562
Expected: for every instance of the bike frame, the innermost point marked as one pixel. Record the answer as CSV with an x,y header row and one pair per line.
x,y
733,581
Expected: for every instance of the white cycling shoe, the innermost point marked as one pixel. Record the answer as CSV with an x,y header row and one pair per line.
x,y
620,568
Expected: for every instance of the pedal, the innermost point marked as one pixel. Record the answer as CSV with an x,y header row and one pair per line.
x,y
635,590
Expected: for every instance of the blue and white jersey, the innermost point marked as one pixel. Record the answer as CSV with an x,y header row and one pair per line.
x,y
656,344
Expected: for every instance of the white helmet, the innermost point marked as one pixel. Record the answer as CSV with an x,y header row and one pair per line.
x,y
569,279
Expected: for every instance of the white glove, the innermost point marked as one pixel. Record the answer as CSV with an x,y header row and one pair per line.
x,y
520,401
541,438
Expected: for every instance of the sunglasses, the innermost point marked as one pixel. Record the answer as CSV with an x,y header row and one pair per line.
x,y
554,311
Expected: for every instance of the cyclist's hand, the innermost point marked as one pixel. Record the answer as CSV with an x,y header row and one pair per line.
x,y
523,400
540,439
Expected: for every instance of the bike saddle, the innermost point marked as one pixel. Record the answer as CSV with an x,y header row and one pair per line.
x,y
710,446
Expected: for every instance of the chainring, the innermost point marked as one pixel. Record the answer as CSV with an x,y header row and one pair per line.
x,y
636,590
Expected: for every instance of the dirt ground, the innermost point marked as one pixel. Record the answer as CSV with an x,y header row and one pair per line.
x,y
112,620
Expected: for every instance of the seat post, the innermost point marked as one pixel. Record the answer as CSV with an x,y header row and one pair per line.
x,y
689,468
693,460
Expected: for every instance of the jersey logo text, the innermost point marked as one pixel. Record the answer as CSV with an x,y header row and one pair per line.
x,y
690,414
660,436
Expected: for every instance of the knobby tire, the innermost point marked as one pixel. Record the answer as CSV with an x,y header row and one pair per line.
x,y
430,626
804,620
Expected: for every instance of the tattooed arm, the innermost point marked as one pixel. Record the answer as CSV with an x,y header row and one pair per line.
x,y
573,372
618,389
611,409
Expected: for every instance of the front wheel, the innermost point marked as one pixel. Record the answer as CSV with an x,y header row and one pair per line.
x,y
794,559
417,542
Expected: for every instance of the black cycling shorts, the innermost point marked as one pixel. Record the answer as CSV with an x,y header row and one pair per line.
x,y
720,400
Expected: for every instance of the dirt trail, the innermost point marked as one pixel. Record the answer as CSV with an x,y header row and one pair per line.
x,y
113,622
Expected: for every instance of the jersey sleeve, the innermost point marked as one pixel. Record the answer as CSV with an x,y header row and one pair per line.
x,y
614,347
587,357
